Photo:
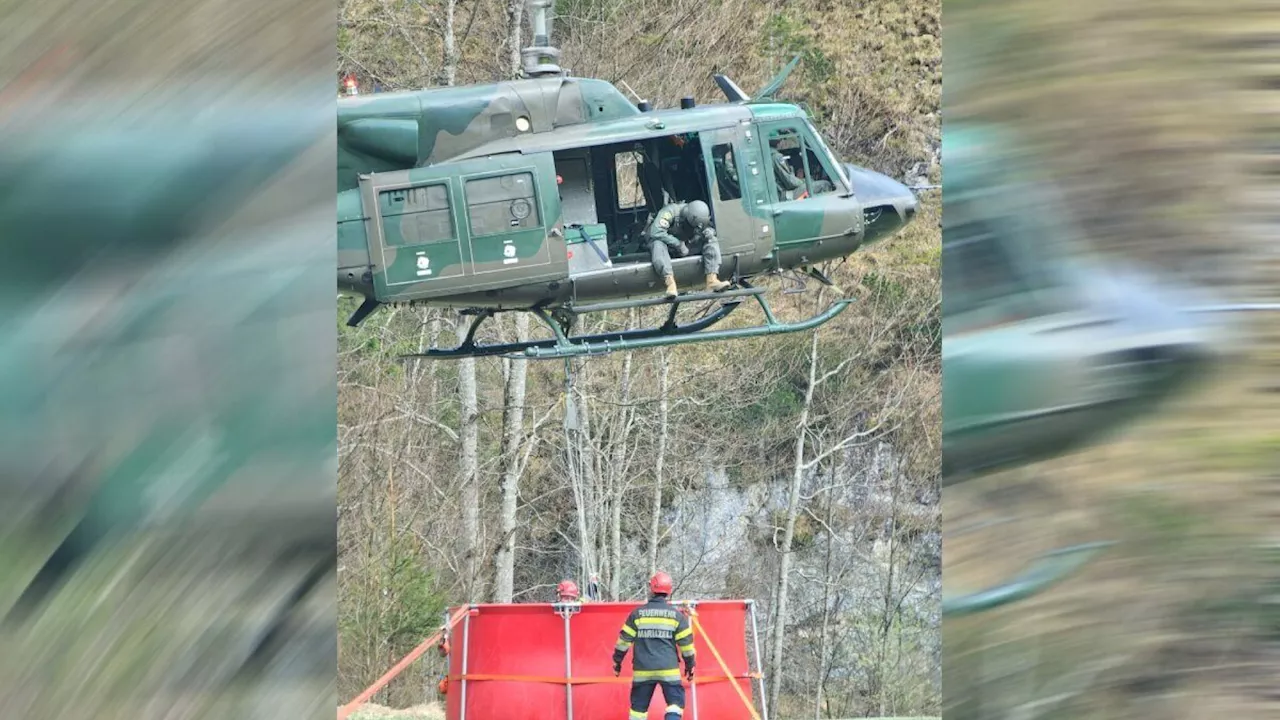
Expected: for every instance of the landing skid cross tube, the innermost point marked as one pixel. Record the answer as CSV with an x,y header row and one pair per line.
x,y
1047,571
565,345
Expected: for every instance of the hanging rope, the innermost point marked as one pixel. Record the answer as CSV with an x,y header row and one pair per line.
x,y
724,667
399,667
573,460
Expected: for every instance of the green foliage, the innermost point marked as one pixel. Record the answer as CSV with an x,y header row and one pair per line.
x,y
402,605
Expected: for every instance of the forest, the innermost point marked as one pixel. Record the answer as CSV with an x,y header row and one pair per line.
x,y
800,471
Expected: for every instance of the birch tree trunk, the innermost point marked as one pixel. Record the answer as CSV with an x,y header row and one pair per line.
x,y
512,444
789,529
468,464
824,638
449,68
589,468
433,378
618,471
655,522
515,15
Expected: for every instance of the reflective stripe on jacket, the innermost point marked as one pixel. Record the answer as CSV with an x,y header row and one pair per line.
x,y
659,635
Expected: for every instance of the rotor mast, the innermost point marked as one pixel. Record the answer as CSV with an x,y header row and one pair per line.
x,y
541,58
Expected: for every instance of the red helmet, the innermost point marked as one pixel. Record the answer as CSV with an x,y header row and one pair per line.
x,y
660,583
567,587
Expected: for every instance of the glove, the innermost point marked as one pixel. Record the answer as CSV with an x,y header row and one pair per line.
x,y
617,668
708,234
688,671
680,250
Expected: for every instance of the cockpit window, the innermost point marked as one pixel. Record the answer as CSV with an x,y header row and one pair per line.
x,y
828,157
800,169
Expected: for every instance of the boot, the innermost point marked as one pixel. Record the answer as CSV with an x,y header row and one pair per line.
x,y
715,284
670,280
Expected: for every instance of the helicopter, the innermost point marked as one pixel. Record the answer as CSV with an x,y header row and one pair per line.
x,y
533,195
118,419
1045,350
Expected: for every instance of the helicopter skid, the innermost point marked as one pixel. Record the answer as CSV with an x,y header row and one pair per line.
x,y
1048,570
564,345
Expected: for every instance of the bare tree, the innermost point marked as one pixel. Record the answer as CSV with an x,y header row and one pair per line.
x,y
469,464
449,45
515,15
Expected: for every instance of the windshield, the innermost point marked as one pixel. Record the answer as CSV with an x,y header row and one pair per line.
x,y
830,156
1006,240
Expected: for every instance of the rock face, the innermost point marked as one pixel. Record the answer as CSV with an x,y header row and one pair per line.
x,y
887,547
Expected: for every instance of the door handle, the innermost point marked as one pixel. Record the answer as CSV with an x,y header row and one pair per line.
x,y
777,212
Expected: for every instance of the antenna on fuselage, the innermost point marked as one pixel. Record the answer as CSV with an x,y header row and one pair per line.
x,y
541,58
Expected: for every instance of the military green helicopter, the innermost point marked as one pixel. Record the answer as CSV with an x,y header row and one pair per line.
x,y
140,372
1045,350
533,195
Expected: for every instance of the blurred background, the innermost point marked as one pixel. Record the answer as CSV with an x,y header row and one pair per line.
x,y
167,467
1151,126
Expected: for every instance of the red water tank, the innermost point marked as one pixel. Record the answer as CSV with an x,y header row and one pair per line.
x,y
514,659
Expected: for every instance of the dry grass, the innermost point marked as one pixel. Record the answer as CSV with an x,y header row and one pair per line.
x,y
429,711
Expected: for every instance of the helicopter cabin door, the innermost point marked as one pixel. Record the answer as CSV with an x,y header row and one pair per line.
x,y
464,227
737,188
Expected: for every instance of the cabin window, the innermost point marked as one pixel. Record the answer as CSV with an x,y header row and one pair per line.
x,y
627,173
977,268
726,166
799,170
502,204
417,215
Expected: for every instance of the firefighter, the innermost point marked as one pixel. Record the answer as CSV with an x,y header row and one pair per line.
x,y
659,636
567,592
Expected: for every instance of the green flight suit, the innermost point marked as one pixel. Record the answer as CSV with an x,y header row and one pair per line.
x,y
668,234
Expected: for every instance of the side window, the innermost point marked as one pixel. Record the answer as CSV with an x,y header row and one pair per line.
x,y
978,269
726,166
417,216
627,173
502,204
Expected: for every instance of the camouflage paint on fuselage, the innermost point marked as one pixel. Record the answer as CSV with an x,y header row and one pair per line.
x,y
397,131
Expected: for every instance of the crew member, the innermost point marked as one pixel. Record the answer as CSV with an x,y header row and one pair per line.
x,y
672,231
660,635
818,185
788,182
567,592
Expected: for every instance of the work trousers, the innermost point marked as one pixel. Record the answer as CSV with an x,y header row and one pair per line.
x,y
660,254
642,693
